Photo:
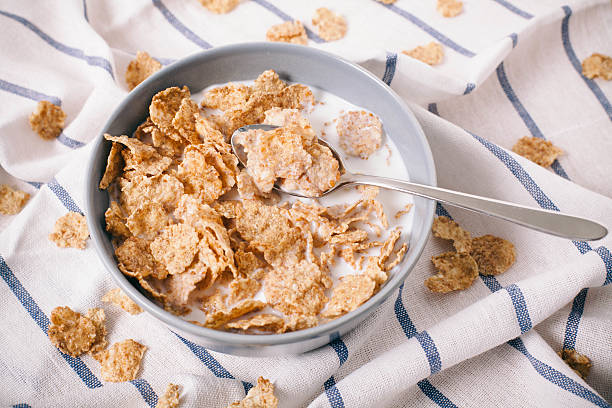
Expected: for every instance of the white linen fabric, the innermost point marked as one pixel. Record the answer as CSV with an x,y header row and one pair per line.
x,y
511,69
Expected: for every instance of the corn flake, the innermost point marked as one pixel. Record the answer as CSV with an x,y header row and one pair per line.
x,y
449,8
597,65
455,272
349,294
242,289
119,298
170,399
227,97
404,211
220,6
147,219
264,322
140,68
116,221
220,317
332,26
290,32
114,166
47,120
164,107
70,231
75,334
360,133
11,201
431,54
175,247
538,150
121,361
260,396
135,259
445,228
580,363
268,81
493,255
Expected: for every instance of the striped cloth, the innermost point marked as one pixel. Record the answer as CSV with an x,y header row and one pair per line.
x,y
511,69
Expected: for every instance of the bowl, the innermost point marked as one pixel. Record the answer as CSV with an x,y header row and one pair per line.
x,y
293,63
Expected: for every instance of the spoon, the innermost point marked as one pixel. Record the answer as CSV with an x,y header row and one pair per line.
x,y
547,221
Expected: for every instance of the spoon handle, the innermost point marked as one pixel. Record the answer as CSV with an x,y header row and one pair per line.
x,y
550,222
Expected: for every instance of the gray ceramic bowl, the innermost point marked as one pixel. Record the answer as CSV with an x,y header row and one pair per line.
x,y
294,63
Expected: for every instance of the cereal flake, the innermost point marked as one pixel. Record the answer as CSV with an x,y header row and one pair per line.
x,y
260,396
580,363
360,133
449,8
140,68
538,150
75,334
403,211
12,201
220,317
445,228
331,26
170,399
349,294
47,120
175,247
264,322
70,231
121,361
220,6
114,166
431,54
147,219
597,65
119,298
290,32
455,272
493,255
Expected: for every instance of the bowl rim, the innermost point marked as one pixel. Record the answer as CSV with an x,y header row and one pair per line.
x,y
329,328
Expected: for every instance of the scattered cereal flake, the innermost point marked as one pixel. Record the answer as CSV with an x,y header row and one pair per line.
x,y
431,53
220,6
289,32
114,166
164,106
456,272
262,322
220,317
121,361
70,231
242,289
538,150
580,363
332,26
73,333
493,255
349,294
597,65
260,396
449,8
135,259
116,221
226,97
170,399
269,81
98,318
147,219
360,133
140,68
119,298
296,96
175,247
445,228
11,201
47,120
404,211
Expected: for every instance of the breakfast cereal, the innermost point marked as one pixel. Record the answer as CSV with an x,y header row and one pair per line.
x,y
70,231
290,32
75,334
538,150
47,120
121,361
170,399
493,255
445,228
331,26
260,396
220,6
261,323
597,65
455,272
449,8
360,133
403,212
119,298
431,54
580,363
140,68
12,201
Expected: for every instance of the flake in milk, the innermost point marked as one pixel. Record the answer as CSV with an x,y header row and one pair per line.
x,y
140,68
119,298
164,106
290,32
135,259
242,289
164,189
75,334
121,361
538,150
70,231
597,65
349,294
47,120
431,54
114,166
148,218
175,247
580,363
493,255
445,228
12,201
264,322
260,396
185,120
360,133
455,272
331,26
268,81
403,211
116,221
449,8
219,317
226,97
170,399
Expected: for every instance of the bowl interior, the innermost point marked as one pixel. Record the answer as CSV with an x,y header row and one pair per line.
x,y
296,64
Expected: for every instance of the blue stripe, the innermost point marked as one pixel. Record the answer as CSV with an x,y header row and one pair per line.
x,y
333,394
428,29
286,17
85,10
340,349
520,307
491,282
514,37
35,184
573,320
557,377
390,68
209,361
431,351
469,88
73,52
71,143
514,9
180,27
63,196
26,300
606,257
569,50
28,93
433,108
435,395
22,405
146,391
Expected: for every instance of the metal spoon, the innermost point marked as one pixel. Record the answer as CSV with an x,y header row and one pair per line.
x,y
549,222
